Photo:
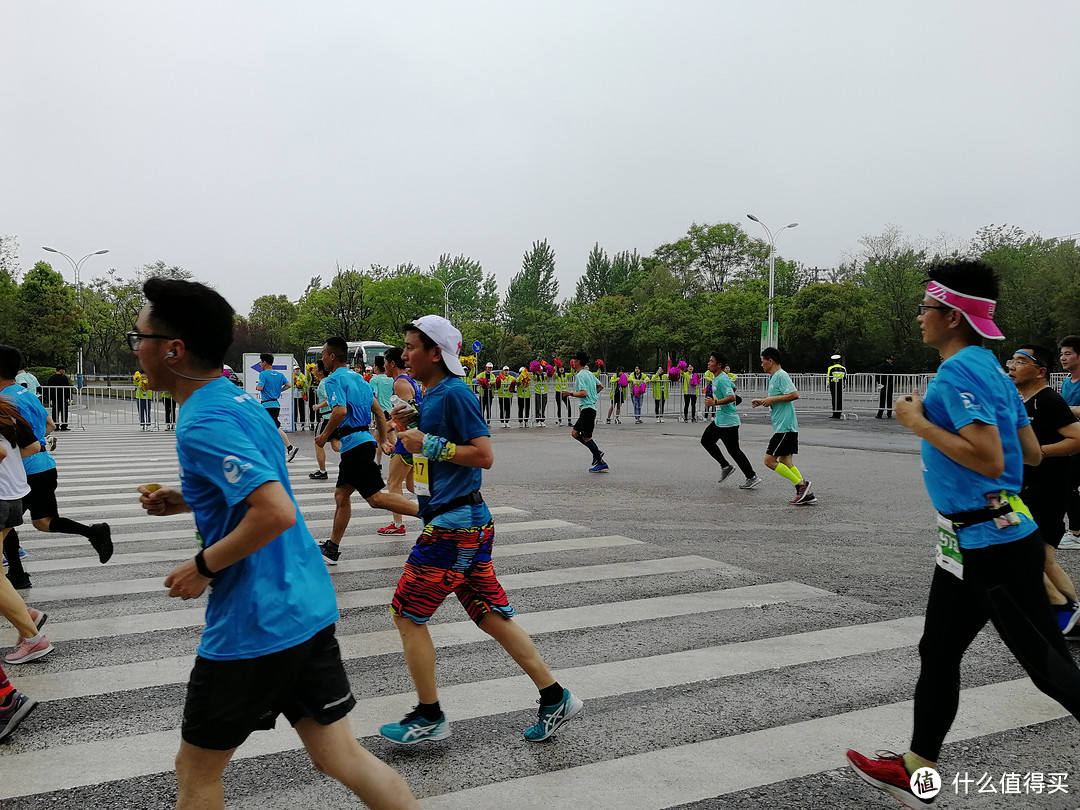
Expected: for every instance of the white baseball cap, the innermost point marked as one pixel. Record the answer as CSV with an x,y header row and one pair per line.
x,y
446,336
490,364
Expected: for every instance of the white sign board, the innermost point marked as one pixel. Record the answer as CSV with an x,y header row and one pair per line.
x,y
286,365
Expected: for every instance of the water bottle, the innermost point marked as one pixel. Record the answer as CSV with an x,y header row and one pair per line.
x,y
409,421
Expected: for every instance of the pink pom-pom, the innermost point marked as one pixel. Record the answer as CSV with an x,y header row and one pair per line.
x,y
682,365
534,366
599,363
623,380
694,378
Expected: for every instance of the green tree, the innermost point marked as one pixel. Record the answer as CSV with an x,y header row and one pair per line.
x,y
532,292
823,319
709,257
111,305
269,324
51,323
596,281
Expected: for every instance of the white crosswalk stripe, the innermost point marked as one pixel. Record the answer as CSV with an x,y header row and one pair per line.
x,y
629,627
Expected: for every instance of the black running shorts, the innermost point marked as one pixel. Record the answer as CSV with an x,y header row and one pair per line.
x,y
227,700
359,470
273,413
42,498
783,444
585,423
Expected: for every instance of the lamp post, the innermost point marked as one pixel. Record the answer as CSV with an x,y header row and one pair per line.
x,y
770,335
77,265
446,293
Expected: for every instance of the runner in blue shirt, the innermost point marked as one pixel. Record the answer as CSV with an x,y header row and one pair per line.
x,y
586,388
725,425
353,408
270,386
1069,347
268,647
41,476
976,439
784,444
453,554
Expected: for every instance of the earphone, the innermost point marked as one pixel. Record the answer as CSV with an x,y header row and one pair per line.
x,y
170,354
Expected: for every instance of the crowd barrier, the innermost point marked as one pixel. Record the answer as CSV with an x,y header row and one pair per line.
x,y
79,408
861,396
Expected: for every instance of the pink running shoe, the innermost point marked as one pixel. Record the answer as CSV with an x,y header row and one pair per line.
x,y
38,617
29,652
393,528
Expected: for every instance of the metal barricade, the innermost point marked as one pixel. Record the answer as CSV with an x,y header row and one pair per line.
x,y
80,408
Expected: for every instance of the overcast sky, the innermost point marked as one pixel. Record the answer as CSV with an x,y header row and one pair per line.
x,y
259,143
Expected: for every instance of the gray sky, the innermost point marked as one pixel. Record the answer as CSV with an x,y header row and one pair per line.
x,y
258,143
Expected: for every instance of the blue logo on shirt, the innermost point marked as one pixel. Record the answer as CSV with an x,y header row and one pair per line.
x,y
233,469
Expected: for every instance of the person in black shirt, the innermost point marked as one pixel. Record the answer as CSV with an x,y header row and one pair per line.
x,y
884,382
1046,485
56,385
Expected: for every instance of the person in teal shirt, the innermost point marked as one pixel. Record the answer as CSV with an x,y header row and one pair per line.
x,y
784,445
586,388
725,425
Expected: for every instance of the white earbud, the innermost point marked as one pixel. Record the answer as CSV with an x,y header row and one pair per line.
x,y
170,354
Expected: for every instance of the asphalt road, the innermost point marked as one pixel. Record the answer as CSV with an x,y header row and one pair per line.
x,y
728,646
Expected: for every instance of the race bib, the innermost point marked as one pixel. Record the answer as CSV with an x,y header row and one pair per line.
x,y
421,471
949,555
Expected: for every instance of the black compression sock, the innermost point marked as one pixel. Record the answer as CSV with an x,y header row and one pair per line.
x,y
596,454
550,695
11,551
430,711
66,526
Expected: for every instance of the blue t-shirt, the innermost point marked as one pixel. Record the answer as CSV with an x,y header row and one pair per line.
x,y
782,414
384,389
281,595
451,410
586,381
31,409
972,387
1070,392
726,415
346,387
271,383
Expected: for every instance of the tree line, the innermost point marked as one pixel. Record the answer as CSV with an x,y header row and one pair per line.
x,y
706,289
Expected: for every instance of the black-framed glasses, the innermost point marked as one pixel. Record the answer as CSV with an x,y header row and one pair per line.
x,y
135,339
924,307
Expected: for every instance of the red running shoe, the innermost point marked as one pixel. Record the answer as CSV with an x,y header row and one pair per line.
x,y
393,528
887,773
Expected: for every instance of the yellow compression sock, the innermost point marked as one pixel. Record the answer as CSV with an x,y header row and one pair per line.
x,y
795,470
788,473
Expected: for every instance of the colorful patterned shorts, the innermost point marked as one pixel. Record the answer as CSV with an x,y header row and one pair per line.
x,y
446,561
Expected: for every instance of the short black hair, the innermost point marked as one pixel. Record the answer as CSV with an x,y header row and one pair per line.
x,y
379,363
1070,342
339,348
10,361
193,313
1042,355
967,276
394,355
267,358
582,358
718,355
772,353
321,366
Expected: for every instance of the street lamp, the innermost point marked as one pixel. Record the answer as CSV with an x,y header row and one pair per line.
x,y
446,293
78,292
770,335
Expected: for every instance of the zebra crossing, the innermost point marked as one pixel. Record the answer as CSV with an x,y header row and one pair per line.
x,y
667,650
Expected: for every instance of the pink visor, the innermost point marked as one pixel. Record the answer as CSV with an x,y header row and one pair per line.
x,y
979,312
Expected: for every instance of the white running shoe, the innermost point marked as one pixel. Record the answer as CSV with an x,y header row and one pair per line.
x,y
1069,541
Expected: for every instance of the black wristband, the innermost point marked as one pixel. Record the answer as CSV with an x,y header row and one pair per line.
x,y
200,563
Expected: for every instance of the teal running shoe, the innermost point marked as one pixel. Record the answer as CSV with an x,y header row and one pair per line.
x,y
551,718
413,729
